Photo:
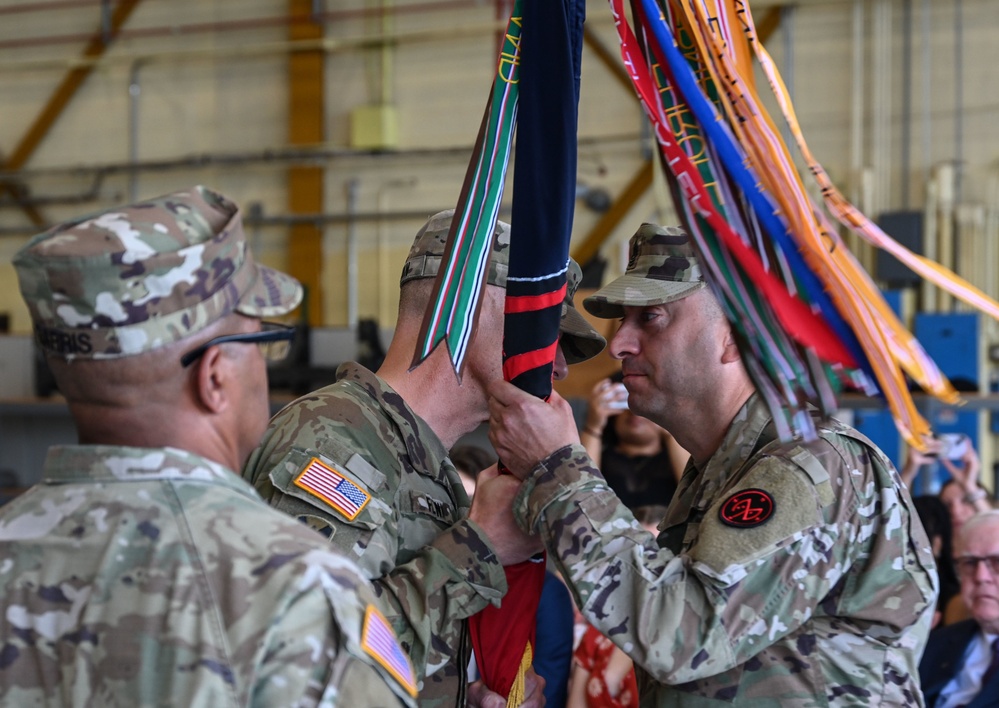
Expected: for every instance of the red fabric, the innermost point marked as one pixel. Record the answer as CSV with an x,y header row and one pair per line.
x,y
541,214
526,303
509,625
593,654
515,365
797,318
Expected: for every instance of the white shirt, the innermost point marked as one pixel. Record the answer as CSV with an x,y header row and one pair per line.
x,y
967,684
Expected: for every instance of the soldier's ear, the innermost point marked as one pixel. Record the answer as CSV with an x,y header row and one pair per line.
x,y
211,380
730,350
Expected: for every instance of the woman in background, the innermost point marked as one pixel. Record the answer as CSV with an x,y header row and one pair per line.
x,y
641,462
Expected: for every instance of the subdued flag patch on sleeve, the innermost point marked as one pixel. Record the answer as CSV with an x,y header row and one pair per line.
x,y
323,481
379,641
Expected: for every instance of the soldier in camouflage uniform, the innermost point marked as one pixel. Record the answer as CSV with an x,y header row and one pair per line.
x,y
383,439
578,341
142,571
790,575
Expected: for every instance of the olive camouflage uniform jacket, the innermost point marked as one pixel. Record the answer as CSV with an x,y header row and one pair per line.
x,y
154,577
784,575
355,462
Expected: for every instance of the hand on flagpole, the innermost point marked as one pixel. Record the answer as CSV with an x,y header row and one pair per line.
x,y
481,697
492,510
525,429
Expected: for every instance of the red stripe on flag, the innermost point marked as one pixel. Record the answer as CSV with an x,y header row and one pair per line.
x,y
341,493
530,303
517,364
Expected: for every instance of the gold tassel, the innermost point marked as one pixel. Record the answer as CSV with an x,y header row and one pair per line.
x,y
519,687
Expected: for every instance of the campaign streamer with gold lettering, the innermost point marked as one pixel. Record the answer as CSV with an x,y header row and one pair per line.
x,y
544,196
765,325
536,91
454,305
809,320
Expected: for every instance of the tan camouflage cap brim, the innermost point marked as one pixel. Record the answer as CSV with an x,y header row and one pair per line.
x,y
272,294
130,280
579,340
662,267
427,251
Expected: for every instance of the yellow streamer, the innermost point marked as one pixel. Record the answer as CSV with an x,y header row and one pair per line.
x,y
889,346
518,692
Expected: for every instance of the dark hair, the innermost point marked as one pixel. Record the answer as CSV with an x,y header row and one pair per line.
x,y
936,520
951,481
471,458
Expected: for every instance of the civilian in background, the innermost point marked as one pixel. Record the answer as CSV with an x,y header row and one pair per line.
x,y
640,460
963,493
961,664
963,497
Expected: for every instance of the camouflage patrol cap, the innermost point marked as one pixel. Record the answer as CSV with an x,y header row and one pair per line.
x,y
579,340
662,267
129,280
424,260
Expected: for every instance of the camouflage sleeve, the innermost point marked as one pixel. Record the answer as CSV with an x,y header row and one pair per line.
x,y
424,591
449,580
739,590
325,648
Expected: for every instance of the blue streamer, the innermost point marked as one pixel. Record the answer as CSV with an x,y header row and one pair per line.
x,y
735,161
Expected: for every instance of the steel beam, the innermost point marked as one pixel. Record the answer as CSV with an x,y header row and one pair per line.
x,y
643,177
60,98
306,119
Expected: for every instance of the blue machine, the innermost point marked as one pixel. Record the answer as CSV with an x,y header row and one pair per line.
x,y
877,423
879,426
952,339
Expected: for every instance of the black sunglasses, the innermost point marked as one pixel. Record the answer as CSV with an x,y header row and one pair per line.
x,y
273,339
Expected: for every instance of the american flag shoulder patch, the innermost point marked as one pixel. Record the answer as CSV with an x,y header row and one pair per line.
x,y
379,642
322,481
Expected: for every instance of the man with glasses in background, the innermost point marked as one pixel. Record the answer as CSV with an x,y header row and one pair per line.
x,y
142,570
961,663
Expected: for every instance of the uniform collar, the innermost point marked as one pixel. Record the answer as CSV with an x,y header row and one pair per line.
x,y
421,442
741,439
120,463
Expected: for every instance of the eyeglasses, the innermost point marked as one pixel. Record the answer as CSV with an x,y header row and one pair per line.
x,y
273,339
967,566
